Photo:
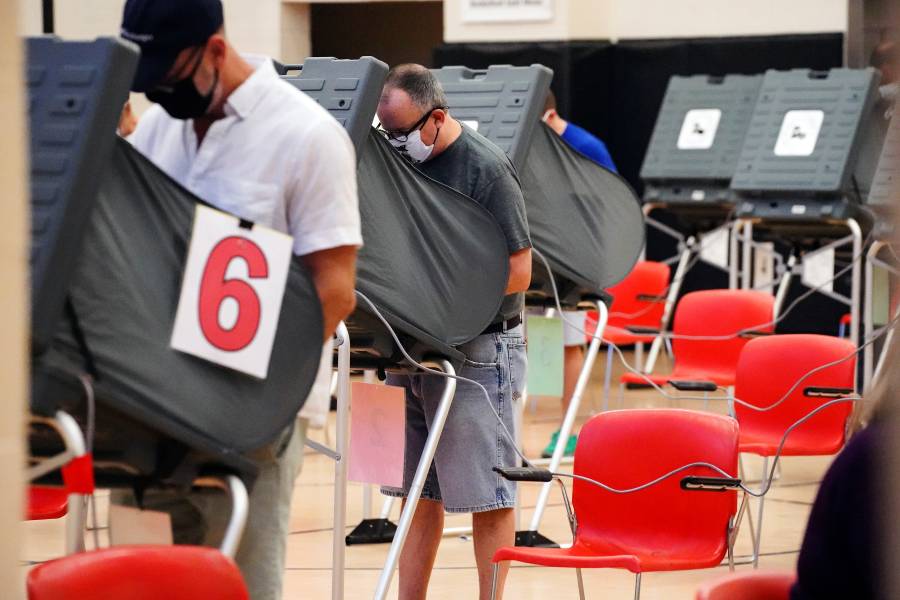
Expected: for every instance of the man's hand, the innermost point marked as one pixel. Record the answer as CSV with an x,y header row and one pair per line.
x,y
127,120
334,273
519,271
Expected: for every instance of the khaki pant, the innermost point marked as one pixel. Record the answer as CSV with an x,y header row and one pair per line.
x,y
200,517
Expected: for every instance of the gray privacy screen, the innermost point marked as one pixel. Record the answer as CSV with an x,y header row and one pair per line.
x,y
75,94
700,128
503,103
586,220
806,131
434,260
348,89
125,290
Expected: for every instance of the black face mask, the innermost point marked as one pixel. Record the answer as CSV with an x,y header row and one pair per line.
x,y
181,99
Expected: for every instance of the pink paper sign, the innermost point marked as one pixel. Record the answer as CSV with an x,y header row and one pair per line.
x,y
377,433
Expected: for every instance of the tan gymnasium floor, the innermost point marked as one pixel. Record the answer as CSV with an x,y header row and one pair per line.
x,y
308,573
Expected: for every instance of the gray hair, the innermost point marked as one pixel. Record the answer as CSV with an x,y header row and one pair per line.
x,y
422,86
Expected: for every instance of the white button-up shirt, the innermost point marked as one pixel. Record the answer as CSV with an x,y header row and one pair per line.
x,y
277,159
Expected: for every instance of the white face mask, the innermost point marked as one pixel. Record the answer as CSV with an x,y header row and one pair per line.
x,y
413,148
889,91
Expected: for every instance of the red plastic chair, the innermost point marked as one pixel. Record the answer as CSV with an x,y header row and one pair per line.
x,y
752,585
661,528
712,313
139,573
638,301
641,294
767,369
46,503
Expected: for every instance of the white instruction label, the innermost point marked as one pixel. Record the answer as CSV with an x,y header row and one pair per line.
x,y
799,133
698,131
714,248
818,269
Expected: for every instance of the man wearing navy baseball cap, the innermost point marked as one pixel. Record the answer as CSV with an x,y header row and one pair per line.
x,y
227,128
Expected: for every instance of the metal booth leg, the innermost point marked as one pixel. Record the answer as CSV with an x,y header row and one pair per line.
x,y
868,316
569,420
342,446
669,307
418,483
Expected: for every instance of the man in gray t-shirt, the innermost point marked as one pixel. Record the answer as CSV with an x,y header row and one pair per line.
x,y
479,169
414,118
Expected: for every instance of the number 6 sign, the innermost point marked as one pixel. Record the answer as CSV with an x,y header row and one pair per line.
x,y
234,281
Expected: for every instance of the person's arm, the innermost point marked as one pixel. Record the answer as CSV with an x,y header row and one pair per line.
x,y
334,274
504,200
519,271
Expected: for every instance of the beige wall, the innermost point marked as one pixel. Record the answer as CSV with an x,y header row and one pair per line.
x,y
268,27
13,302
622,19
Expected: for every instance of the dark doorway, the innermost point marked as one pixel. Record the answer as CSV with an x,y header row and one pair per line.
x,y
395,32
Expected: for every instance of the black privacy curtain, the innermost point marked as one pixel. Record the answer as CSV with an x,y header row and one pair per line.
x,y
434,261
125,292
584,219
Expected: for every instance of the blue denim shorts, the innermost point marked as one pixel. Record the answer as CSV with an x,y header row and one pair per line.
x,y
473,442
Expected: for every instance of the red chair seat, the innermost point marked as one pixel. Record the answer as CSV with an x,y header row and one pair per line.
x,y
597,556
801,442
46,503
139,573
622,337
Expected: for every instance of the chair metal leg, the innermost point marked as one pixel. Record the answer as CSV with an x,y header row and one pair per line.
x,y
759,517
741,473
494,578
637,586
580,583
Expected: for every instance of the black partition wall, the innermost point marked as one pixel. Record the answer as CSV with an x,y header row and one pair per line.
x,y
615,91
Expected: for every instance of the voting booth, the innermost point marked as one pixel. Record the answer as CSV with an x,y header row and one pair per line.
x,y
434,265
157,399
687,171
696,143
805,170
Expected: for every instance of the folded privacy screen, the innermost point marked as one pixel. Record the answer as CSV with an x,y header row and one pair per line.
x,y
584,219
434,261
125,290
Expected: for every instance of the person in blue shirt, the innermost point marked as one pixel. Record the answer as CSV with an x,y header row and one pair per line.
x,y
577,137
574,322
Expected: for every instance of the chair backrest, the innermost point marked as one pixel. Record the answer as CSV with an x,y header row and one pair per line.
x,y
749,585
718,313
139,573
627,448
631,296
767,369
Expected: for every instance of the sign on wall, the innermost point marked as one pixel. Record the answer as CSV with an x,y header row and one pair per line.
x,y
508,11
